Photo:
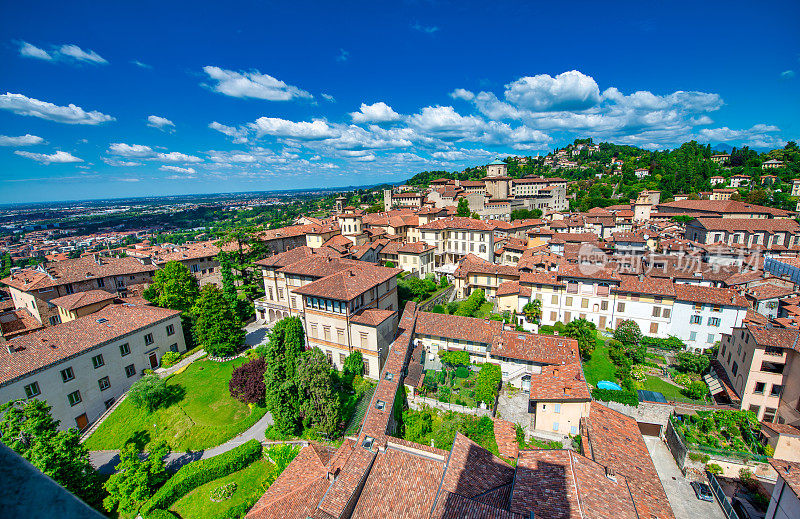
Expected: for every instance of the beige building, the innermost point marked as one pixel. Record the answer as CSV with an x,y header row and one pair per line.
x,y
454,237
783,438
34,288
559,399
81,304
80,367
763,369
417,258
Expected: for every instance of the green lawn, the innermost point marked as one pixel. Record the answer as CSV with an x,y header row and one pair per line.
x,y
484,311
599,366
670,391
204,414
197,504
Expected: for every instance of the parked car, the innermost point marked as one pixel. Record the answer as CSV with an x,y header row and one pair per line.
x,y
702,491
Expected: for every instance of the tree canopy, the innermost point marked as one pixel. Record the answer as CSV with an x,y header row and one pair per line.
x,y
584,332
137,478
174,287
216,326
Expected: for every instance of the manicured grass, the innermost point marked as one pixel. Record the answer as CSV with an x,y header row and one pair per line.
x,y
197,504
599,366
670,391
484,311
203,414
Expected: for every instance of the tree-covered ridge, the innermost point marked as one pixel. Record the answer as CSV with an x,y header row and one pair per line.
x,y
683,170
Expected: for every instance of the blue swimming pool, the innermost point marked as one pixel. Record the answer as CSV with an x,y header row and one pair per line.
x,y
607,384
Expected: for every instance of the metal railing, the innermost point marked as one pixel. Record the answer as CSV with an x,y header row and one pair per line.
x,y
722,499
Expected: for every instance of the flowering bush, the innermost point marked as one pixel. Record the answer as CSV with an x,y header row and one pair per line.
x,y
222,493
639,372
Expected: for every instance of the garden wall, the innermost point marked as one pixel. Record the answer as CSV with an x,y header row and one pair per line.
x,y
646,412
417,402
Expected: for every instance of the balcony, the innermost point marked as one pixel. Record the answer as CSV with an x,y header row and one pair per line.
x,y
772,367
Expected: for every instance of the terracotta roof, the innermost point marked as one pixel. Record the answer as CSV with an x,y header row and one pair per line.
x,y
776,337
770,225
769,291
457,327
789,471
458,222
513,287
345,285
615,441
75,270
371,316
562,484
560,384
505,435
540,278
646,285
81,299
415,248
709,295
55,343
721,206
16,322
781,428
532,347
587,272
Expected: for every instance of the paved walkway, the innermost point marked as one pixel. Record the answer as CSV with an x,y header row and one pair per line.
x,y
681,496
105,461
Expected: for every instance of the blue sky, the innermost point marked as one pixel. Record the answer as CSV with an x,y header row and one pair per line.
x,y
114,99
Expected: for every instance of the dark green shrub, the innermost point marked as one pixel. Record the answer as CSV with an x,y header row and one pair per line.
x,y
438,309
462,372
442,377
200,472
611,395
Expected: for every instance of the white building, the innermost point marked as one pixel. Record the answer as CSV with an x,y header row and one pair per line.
x,y
701,315
455,237
82,366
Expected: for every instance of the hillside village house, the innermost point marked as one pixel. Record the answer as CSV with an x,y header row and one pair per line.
x,y
771,164
739,180
81,366
345,305
35,288
763,368
454,237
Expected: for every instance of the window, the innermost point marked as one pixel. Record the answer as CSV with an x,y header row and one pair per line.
x,y
364,340
653,327
104,383
568,301
97,361
755,409
695,319
692,336
656,311
553,316
74,398
573,430
620,307
584,303
555,426
759,389
68,289
666,313
54,320
148,339
698,307
558,408
554,299
312,330
171,329
329,355
769,414
340,335
101,283
776,390
108,403
341,358
366,368
716,308
67,374
604,305
734,368
280,293
724,348
710,338
124,349
714,321
270,294
32,390
326,332
130,370
173,347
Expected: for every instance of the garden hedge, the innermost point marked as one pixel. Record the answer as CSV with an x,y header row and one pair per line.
x,y
198,473
611,395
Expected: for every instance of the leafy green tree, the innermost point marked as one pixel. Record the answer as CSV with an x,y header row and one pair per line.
x,y
285,346
418,424
136,479
319,403
149,392
353,367
389,264
584,332
28,429
487,383
173,287
217,329
454,358
472,304
533,310
628,333
696,390
463,208
689,362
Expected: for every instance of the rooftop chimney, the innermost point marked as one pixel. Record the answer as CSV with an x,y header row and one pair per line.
x,y
610,474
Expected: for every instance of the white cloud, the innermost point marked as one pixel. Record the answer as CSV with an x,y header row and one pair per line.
x,y
461,154
787,74
121,163
162,123
239,135
22,140
32,51
303,130
444,120
253,84
71,114
177,157
140,64
460,93
758,136
375,113
59,157
328,97
130,150
128,179
176,169
571,90
366,158
77,53
427,29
